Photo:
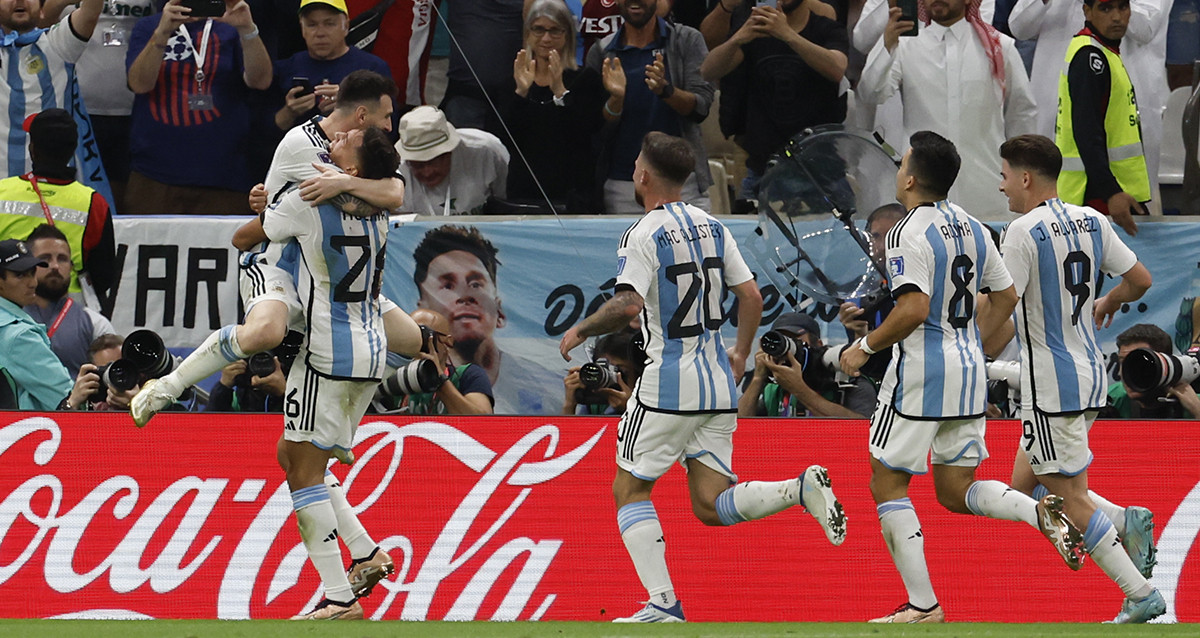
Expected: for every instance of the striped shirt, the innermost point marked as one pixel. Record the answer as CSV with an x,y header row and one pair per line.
x,y
338,282
38,68
1057,253
937,371
680,260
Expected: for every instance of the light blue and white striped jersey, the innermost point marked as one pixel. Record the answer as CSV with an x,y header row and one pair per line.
x,y
680,260
339,281
1057,253
38,70
937,371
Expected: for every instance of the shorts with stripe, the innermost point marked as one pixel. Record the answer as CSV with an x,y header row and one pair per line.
x,y
261,281
1056,444
904,444
323,411
648,443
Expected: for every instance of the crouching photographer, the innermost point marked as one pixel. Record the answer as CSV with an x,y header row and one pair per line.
x,y
604,385
117,370
1153,383
797,375
431,383
256,384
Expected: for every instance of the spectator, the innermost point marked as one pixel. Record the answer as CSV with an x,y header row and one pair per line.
x,y
651,70
71,326
101,73
801,384
1183,42
1145,57
38,379
1175,402
795,62
448,171
462,389
597,20
1104,165
404,42
309,79
50,195
961,78
191,120
1051,24
619,353
486,35
40,74
555,116
455,274
860,316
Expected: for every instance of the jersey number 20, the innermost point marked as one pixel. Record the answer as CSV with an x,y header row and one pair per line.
x,y
697,281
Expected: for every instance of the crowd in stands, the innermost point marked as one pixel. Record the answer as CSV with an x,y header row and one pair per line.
x,y
146,107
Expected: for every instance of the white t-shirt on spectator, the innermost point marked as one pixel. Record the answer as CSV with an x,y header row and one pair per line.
x,y
479,168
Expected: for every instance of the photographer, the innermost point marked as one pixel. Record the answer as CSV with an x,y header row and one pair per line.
x,y
459,390
790,388
617,353
89,393
1176,402
243,389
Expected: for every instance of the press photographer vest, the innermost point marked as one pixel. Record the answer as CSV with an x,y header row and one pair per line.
x,y
1126,157
427,402
21,212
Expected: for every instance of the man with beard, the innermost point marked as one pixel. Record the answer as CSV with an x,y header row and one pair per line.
x,y
49,194
961,79
71,326
795,61
651,70
455,274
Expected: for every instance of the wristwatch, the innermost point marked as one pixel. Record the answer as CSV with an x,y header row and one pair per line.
x,y
667,91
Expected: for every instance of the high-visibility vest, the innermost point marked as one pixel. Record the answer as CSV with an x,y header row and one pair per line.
x,y
1122,127
21,212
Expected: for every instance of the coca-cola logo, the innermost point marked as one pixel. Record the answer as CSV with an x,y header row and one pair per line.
x,y
192,538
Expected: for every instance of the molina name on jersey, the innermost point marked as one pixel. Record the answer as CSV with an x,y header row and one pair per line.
x,y
680,260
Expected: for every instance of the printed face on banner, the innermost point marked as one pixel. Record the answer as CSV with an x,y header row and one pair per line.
x,y
459,286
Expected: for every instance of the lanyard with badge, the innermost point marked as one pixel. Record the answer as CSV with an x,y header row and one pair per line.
x,y
201,100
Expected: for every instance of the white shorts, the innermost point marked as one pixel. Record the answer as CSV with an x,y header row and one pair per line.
x,y
1056,444
261,281
323,411
648,443
904,444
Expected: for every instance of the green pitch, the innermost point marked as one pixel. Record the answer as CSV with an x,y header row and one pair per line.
x,y
368,629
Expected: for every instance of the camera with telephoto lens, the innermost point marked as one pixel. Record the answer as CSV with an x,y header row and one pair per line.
x,y
120,375
143,356
259,364
418,376
1151,372
821,365
1003,380
596,375
778,346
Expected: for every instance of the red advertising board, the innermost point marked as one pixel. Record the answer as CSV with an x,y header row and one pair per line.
x,y
512,518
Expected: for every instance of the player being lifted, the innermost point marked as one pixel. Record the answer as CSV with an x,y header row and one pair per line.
x,y
1058,254
934,391
267,286
673,266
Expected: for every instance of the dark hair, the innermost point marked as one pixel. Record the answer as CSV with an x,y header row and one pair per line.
x,y
620,344
450,237
934,162
45,231
364,88
1033,153
671,157
377,157
104,342
1156,337
887,211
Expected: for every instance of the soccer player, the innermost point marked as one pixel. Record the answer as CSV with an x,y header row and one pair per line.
x,y
673,266
933,396
267,285
1057,254
341,361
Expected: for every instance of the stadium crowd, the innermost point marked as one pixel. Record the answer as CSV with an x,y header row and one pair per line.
x,y
144,107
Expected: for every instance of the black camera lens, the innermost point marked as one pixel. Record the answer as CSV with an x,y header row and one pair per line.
x,y
777,345
120,375
261,364
146,351
597,374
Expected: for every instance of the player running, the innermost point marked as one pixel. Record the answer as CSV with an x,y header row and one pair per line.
x,y
673,266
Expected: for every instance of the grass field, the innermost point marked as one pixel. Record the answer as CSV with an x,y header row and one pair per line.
x,y
367,629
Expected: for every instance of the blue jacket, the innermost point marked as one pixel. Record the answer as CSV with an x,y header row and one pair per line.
x,y
41,380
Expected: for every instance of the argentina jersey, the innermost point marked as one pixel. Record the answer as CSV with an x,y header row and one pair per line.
x,y
680,260
1057,254
339,277
937,371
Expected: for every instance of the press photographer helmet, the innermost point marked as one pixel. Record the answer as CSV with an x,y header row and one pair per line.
x,y
1151,372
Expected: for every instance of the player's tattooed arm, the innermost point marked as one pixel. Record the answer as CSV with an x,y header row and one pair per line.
x,y
616,313
353,206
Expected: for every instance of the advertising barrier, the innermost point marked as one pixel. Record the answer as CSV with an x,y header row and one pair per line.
x,y
513,519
